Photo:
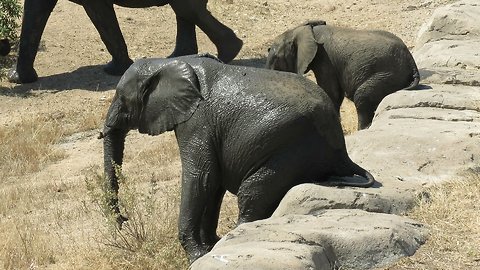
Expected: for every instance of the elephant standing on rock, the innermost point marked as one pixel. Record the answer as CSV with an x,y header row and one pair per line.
x,y
188,14
365,66
254,132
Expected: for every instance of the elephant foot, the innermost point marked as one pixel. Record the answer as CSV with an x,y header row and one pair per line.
x,y
22,77
227,51
117,68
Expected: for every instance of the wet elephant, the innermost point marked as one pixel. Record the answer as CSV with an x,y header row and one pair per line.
x,y
254,132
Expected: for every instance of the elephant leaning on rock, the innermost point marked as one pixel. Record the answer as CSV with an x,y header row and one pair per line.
x,y
254,132
365,66
188,14
4,47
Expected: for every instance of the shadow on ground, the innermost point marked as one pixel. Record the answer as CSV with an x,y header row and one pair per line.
x,y
90,78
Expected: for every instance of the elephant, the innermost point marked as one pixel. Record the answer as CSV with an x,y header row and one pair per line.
x,y
188,14
251,131
4,47
363,65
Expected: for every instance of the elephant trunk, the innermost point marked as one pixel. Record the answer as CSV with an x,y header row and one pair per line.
x,y
113,134
113,146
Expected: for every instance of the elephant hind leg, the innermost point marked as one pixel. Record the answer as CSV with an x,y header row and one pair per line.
x,y
103,16
186,40
260,194
368,96
195,11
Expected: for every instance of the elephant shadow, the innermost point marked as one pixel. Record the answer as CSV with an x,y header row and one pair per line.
x,y
90,78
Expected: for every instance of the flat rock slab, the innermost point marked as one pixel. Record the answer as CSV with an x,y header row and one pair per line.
x,y
309,199
346,238
420,137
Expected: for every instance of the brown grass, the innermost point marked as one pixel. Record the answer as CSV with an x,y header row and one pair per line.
x,y
26,146
452,212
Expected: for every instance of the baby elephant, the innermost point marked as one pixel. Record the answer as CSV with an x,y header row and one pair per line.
x,y
254,132
365,66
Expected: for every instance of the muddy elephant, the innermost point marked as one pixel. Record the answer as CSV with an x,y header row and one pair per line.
x,y
188,14
363,65
254,132
4,47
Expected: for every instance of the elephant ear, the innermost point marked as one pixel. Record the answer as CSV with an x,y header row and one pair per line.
x,y
170,97
306,47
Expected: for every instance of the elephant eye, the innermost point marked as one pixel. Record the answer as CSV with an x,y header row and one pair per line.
x,y
268,50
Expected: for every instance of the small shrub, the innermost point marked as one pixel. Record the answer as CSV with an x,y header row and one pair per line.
x,y
148,240
10,12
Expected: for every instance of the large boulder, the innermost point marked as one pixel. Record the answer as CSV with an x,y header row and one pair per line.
x,y
420,137
447,45
330,239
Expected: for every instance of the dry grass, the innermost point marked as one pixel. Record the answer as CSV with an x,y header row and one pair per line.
x,y
452,212
26,146
349,118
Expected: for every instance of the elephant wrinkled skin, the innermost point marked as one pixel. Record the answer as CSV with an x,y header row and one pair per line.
x,y
188,14
254,132
365,66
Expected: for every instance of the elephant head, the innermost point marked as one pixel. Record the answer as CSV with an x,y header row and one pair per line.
x,y
294,50
152,102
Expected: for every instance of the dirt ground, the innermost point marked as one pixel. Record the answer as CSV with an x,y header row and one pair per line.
x,y
73,90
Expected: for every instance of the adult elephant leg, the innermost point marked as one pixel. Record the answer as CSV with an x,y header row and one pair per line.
x,y
186,40
103,16
227,43
35,17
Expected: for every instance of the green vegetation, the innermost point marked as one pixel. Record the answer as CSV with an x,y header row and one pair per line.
x,y
10,11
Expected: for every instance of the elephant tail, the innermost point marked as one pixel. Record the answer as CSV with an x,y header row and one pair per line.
x,y
356,177
415,73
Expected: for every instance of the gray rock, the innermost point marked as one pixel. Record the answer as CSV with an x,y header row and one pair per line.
x,y
309,199
350,239
419,137
457,21
447,45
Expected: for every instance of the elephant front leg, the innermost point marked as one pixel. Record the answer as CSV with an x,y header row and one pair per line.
x,y
35,17
186,40
103,16
199,200
208,230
